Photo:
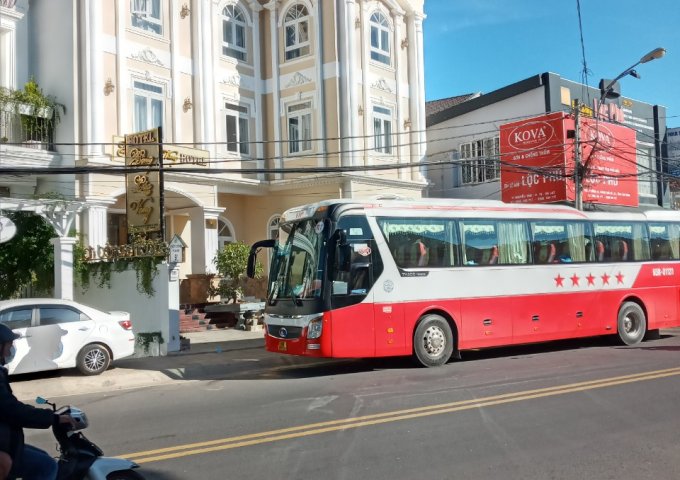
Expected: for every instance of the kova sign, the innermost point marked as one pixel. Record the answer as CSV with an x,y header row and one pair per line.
x,y
537,161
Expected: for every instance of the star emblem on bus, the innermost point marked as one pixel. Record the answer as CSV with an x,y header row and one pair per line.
x,y
558,280
619,277
591,279
574,280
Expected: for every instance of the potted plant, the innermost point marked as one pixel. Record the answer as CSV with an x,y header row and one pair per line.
x,y
231,263
38,113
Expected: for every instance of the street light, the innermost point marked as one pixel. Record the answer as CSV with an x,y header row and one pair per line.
x,y
608,90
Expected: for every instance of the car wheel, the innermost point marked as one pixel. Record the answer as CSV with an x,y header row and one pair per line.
x,y
432,341
632,323
93,359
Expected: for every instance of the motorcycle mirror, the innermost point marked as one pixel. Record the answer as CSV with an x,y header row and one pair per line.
x,y
40,401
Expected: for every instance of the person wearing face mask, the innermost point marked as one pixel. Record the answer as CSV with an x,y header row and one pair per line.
x,y
27,462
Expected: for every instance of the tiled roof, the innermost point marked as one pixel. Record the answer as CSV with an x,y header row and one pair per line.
x,y
435,106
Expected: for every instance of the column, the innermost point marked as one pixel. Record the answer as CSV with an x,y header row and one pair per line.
x,y
352,79
416,92
420,126
322,160
398,20
258,115
95,224
206,75
345,113
276,82
174,68
198,240
95,100
211,237
63,267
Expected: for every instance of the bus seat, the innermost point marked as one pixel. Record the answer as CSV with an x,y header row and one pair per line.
x,y
552,251
493,259
599,251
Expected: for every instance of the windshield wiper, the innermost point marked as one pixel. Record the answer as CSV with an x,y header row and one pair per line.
x,y
296,300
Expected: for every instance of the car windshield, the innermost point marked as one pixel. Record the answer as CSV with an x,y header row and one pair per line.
x,y
297,271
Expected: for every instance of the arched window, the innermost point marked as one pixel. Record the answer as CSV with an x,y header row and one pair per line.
x,y
225,232
380,38
296,27
233,33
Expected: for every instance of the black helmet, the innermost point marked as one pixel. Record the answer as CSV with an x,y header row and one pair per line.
x,y
7,335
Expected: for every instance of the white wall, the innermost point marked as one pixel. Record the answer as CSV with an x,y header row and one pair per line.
x,y
159,313
446,137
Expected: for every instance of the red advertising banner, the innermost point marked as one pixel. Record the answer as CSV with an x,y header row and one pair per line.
x,y
609,157
533,160
537,161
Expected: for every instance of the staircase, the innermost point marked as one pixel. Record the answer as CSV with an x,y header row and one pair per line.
x,y
192,319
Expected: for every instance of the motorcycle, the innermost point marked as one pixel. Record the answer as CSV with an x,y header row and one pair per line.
x,y
80,459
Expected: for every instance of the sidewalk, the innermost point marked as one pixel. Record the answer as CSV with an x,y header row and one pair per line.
x,y
222,339
203,356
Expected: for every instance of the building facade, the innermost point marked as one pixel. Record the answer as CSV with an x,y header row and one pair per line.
x,y
673,156
463,137
271,103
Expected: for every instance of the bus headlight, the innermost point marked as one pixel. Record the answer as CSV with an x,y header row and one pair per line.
x,y
315,327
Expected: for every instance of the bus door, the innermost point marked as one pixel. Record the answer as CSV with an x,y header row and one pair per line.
x,y
353,321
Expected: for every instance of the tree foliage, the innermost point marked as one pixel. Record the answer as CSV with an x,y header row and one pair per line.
x,y
28,258
231,263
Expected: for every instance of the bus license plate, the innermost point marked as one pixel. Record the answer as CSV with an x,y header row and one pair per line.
x,y
283,346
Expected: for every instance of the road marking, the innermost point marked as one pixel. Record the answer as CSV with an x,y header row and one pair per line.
x,y
385,417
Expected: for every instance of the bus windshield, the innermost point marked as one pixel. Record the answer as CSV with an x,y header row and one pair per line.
x,y
297,266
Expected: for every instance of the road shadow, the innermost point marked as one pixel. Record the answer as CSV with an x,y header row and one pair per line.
x,y
150,473
249,361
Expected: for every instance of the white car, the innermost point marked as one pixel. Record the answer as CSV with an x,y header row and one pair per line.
x,y
65,334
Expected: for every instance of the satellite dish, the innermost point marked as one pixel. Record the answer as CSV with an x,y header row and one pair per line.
x,y
7,229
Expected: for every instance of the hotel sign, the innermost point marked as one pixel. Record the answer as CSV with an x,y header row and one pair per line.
x,y
143,188
176,155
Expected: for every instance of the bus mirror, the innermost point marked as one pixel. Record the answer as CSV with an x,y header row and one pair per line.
x,y
252,257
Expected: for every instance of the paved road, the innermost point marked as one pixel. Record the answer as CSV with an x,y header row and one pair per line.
x,y
586,409
209,354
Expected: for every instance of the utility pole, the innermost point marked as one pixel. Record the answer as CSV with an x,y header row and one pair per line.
x,y
578,186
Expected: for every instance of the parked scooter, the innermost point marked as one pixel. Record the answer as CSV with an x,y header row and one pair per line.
x,y
81,459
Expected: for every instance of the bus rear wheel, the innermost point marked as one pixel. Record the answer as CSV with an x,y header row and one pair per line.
x,y
632,323
432,341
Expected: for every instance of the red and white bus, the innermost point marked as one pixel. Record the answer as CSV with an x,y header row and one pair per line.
x,y
431,278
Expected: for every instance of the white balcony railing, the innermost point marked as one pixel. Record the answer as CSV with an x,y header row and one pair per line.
x,y
27,130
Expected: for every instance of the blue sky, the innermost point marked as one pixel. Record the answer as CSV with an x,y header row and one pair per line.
x,y
483,45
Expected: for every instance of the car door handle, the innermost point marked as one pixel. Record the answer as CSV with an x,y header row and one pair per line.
x,y
83,329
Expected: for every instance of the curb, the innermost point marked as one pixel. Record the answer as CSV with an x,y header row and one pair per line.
x,y
212,347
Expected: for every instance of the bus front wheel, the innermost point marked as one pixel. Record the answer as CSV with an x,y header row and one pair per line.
x,y
432,341
632,323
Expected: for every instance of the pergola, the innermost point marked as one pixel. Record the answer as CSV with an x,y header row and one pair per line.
x,y
60,214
